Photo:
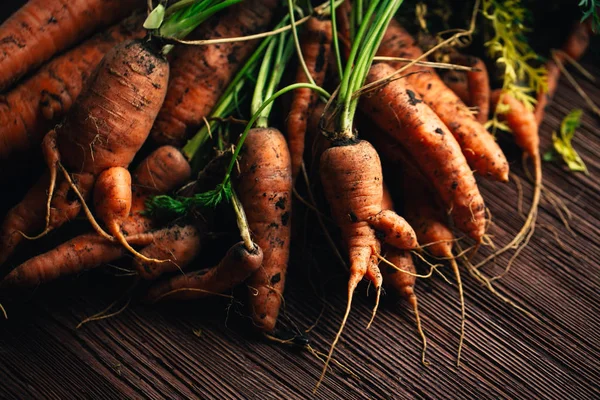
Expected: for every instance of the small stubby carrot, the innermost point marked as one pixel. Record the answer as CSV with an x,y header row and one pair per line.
x,y
264,187
105,128
404,116
37,104
575,46
235,267
200,74
316,48
42,28
478,145
163,170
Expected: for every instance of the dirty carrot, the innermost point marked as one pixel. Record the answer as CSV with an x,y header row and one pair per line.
x,y
234,268
316,47
42,28
403,115
200,73
479,146
32,108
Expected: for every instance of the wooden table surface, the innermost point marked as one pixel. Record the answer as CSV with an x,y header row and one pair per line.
x,y
204,349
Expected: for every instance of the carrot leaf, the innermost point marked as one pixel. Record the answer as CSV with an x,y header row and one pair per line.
x,y
590,10
562,143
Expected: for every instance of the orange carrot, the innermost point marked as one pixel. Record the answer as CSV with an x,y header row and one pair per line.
x,y
105,128
478,84
479,146
402,283
42,28
233,269
398,110
36,105
264,186
355,196
200,74
457,82
522,122
316,47
162,171
178,245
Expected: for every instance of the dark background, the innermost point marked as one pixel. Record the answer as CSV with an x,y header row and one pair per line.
x,y
204,349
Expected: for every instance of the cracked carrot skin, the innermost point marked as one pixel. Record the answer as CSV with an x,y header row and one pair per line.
x,y
200,74
234,268
37,104
42,28
264,186
402,115
105,128
316,49
478,145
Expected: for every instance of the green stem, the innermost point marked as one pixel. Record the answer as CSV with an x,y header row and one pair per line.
x,y
334,35
297,42
261,81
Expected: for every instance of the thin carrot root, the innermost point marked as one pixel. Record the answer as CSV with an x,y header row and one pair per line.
x,y
456,271
3,311
351,287
374,275
104,313
415,305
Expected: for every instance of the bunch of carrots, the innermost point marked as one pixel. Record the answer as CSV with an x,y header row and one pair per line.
x,y
173,125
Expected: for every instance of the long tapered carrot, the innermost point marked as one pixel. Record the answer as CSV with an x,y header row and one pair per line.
x,y
316,47
402,114
200,74
479,146
33,107
42,28
264,186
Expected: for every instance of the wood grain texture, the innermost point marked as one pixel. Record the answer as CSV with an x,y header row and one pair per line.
x,y
204,349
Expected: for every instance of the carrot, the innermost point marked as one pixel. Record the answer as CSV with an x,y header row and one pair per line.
x,y
105,128
402,283
264,186
434,235
163,170
233,269
522,122
200,74
477,84
576,44
397,110
355,196
33,107
42,28
457,82
178,245
479,146
316,47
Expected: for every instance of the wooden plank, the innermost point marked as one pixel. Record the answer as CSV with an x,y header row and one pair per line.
x,y
154,352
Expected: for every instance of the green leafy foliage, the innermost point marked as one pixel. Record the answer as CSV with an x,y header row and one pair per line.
x,y
562,143
590,10
509,47
167,206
